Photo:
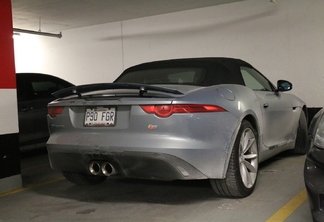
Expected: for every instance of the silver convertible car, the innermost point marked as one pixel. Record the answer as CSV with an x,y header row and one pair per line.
x,y
182,119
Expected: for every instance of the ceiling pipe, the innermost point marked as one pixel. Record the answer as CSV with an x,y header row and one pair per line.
x,y
38,33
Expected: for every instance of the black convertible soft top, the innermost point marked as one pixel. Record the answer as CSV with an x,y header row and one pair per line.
x,y
220,70
230,63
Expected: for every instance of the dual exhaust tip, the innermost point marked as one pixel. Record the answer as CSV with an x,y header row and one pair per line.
x,y
105,168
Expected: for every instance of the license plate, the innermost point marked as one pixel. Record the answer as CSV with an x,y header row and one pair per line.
x,y
100,116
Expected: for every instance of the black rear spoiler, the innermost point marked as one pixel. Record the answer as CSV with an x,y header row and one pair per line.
x,y
143,88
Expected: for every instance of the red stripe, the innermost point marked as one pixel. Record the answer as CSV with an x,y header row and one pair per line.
x,y
7,62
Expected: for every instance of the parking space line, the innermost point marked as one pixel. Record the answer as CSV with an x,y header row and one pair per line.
x,y
284,212
31,187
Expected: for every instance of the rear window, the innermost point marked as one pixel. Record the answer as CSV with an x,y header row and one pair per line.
x,y
194,72
182,76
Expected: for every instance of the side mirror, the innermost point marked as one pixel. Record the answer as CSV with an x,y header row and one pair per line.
x,y
283,85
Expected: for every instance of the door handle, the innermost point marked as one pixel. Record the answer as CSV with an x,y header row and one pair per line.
x,y
266,105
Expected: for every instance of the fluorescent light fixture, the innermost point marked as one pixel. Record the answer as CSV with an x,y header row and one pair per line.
x,y
37,33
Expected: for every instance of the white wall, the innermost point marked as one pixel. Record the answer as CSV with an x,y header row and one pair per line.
x,y
283,40
80,56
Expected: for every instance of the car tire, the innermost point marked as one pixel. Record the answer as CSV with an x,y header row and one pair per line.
x,y
242,169
83,179
301,137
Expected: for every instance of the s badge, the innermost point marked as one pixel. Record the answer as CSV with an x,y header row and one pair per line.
x,y
152,127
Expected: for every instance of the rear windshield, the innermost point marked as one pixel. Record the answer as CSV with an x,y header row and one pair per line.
x,y
182,73
182,76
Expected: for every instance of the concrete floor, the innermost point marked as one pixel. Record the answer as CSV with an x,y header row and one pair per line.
x,y
47,196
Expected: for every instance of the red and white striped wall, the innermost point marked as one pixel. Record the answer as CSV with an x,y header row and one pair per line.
x,y
10,177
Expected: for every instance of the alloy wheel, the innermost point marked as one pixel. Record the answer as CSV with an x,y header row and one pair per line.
x,y
248,158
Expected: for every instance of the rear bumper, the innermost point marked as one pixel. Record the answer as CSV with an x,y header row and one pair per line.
x,y
163,157
130,164
181,147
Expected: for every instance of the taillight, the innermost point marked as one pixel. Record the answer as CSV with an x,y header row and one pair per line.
x,y
54,111
168,110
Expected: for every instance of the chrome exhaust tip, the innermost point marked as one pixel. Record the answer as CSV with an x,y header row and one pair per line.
x,y
94,168
108,169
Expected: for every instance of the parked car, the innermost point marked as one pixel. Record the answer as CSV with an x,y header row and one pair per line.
x,y
314,167
183,119
34,93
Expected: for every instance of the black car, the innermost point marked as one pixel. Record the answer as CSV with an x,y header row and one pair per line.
x,y
314,167
34,92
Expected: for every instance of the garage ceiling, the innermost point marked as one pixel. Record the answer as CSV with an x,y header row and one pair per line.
x,y
59,15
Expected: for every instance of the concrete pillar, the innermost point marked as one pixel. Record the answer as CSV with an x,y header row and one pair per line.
x,y
10,177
